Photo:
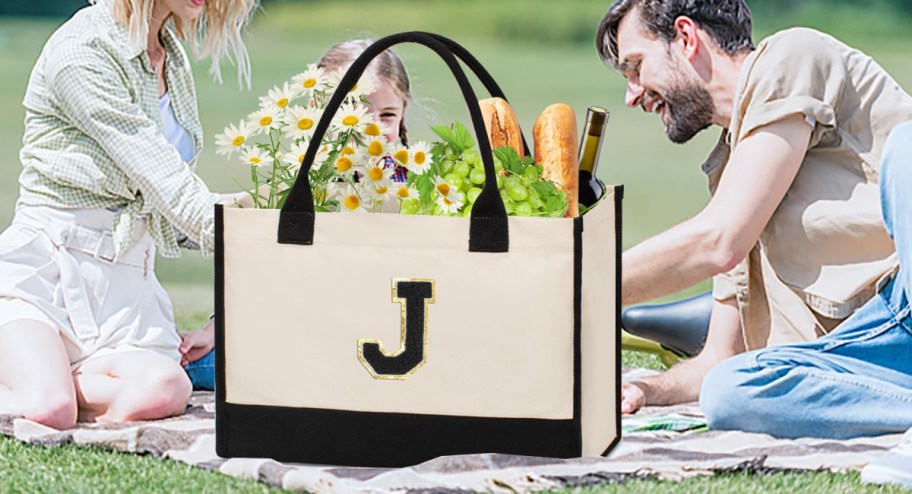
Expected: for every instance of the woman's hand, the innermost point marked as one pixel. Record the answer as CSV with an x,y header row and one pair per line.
x,y
195,344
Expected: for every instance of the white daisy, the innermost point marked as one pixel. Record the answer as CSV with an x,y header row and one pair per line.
x,y
404,192
278,98
297,153
376,129
403,156
351,117
380,191
264,120
375,147
312,79
350,201
421,158
345,165
255,156
232,139
301,121
376,174
448,197
365,85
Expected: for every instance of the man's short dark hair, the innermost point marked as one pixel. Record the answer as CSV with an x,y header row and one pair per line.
x,y
728,22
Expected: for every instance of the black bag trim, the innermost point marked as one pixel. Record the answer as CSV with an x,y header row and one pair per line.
x,y
220,420
578,331
489,229
618,223
392,440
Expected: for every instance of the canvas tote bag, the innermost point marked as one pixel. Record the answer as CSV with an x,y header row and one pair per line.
x,y
387,340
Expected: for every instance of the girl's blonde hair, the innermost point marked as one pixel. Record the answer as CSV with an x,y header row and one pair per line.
x,y
387,66
215,33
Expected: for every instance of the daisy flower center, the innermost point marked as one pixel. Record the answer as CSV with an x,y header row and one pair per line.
x,y
347,150
402,156
354,88
265,121
448,202
344,164
352,202
420,157
403,192
309,83
444,189
301,158
237,141
282,103
254,160
372,130
350,121
375,149
382,189
376,173
305,124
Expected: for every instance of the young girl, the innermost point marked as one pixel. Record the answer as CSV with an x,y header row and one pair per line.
x,y
111,139
388,104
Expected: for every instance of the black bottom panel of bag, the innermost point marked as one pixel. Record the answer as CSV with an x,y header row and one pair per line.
x,y
304,435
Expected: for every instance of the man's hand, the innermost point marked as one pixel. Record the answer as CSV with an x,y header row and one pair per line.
x,y
682,383
196,344
632,398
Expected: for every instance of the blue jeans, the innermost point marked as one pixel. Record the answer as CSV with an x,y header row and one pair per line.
x,y
202,372
855,381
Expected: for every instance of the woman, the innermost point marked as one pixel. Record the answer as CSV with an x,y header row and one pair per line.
x,y
86,330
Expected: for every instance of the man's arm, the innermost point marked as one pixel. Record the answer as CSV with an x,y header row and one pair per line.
x,y
757,176
681,383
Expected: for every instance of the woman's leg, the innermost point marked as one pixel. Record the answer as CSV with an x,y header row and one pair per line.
x,y
131,385
35,378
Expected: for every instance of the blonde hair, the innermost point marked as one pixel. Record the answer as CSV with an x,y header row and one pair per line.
x,y
215,33
387,66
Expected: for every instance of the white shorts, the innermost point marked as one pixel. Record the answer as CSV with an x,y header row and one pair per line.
x,y
58,267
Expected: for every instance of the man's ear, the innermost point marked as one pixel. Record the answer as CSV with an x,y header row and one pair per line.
x,y
686,38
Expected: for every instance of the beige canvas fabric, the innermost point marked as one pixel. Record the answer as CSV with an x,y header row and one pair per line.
x,y
825,250
500,339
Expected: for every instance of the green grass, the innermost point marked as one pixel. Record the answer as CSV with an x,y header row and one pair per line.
x,y
541,52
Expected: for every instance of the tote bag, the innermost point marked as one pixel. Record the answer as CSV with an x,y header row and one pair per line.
x,y
387,340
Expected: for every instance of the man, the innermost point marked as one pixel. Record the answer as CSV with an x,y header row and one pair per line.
x,y
806,230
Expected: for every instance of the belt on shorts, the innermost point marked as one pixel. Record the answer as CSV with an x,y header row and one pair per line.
x,y
72,237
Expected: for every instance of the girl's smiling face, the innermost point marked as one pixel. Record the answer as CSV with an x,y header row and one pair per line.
x,y
388,107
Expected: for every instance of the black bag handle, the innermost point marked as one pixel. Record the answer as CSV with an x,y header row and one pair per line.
x,y
488,231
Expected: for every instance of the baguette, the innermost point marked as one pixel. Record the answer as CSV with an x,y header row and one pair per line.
x,y
556,141
501,124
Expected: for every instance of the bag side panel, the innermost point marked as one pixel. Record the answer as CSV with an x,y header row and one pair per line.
x,y
601,359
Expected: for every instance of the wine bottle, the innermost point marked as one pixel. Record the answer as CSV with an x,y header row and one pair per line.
x,y
590,190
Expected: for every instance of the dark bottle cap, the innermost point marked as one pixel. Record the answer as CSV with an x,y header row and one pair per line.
x,y
596,118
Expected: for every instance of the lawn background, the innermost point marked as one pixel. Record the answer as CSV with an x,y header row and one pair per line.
x,y
540,52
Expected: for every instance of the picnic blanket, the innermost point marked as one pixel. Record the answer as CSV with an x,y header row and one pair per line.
x,y
653,445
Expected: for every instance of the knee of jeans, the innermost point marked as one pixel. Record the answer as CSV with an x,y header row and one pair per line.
x,y
723,394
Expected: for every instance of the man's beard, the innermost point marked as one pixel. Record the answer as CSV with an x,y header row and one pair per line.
x,y
690,109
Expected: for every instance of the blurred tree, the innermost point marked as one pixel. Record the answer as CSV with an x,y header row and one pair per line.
x,y
47,8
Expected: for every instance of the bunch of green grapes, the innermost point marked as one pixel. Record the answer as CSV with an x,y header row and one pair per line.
x,y
519,181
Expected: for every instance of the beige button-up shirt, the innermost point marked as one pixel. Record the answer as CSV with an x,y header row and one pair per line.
x,y
94,137
825,251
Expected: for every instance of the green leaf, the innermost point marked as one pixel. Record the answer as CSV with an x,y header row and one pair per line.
x,y
511,161
464,139
446,134
425,187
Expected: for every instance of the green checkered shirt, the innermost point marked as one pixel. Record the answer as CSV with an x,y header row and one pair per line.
x,y
94,137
